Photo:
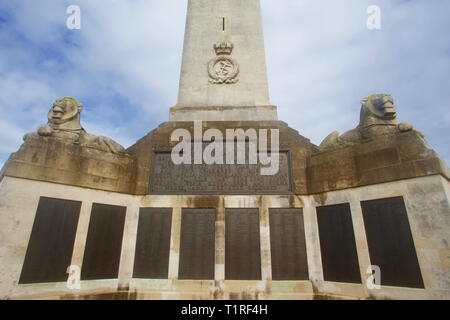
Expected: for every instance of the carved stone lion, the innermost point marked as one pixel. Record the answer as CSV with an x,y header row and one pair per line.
x,y
64,123
378,117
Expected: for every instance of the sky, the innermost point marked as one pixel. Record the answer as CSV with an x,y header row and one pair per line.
x,y
124,64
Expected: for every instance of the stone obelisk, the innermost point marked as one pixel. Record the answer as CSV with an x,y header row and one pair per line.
x,y
223,74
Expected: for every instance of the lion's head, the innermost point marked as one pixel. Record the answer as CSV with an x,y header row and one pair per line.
x,y
378,109
64,110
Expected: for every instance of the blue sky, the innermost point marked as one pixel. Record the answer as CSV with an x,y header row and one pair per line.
x,y
124,64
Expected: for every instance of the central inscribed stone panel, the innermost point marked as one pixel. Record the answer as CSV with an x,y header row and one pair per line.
x,y
168,178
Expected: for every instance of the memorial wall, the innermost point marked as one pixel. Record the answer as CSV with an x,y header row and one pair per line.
x,y
363,215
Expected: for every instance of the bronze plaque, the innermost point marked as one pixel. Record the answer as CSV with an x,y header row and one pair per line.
x,y
50,248
104,242
391,246
151,258
168,178
337,244
197,245
242,245
287,244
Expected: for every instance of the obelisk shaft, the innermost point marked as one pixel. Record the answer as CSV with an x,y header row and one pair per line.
x,y
221,85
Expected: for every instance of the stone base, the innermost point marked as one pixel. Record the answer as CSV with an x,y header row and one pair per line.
x,y
254,113
426,200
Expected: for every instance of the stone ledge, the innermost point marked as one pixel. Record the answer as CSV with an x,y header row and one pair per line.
x,y
53,160
223,113
388,158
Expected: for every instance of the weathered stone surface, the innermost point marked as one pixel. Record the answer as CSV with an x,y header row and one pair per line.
x,y
427,207
238,25
387,158
61,161
224,113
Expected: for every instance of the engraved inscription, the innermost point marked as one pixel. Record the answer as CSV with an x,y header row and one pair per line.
x,y
168,178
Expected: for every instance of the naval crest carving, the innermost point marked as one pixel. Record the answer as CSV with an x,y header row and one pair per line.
x,y
223,69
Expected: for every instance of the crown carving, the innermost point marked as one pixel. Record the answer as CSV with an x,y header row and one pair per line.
x,y
223,48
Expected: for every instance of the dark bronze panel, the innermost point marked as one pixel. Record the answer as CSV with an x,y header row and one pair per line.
x,y
287,245
151,258
242,245
337,244
197,246
168,178
104,242
391,245
51,243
